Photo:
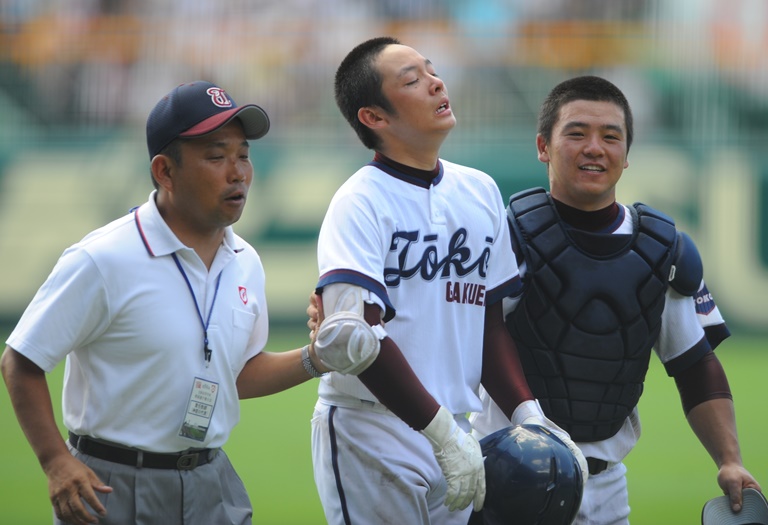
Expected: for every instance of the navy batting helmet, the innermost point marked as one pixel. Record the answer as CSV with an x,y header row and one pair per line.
x,y
531,479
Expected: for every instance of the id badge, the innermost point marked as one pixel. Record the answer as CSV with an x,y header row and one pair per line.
x,y
202,401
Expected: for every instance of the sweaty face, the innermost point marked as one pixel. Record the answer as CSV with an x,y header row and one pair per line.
x,y
417,94
586,154
211,184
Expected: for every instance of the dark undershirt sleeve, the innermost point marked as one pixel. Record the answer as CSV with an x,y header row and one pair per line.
x,y
702,381
394,383
502,375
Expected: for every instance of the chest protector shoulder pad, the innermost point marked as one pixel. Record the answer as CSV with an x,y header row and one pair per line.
x,y
587,321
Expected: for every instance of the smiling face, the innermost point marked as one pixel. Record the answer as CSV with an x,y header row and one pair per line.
x,y
207,190
586,154
421,115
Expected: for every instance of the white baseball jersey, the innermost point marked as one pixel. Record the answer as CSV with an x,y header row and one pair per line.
x,y
120,311
435,255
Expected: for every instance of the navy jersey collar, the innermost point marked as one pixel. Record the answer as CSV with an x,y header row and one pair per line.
x,y
411,175
605,220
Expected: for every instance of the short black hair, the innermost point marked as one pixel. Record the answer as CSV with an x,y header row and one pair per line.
x,y
582,88
358,85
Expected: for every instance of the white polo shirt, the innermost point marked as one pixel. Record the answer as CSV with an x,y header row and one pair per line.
x,y
119,309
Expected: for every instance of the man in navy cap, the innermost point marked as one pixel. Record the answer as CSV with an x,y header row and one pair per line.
x,y
162,320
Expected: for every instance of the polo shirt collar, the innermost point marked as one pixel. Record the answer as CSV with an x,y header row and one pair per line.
x,y
157,236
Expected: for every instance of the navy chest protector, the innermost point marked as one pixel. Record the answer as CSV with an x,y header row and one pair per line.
x,y
591,310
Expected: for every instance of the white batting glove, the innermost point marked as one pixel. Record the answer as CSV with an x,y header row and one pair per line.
x,y
461,460
530,412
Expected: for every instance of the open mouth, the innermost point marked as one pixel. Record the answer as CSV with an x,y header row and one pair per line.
x,y
236,197
442,108
592,168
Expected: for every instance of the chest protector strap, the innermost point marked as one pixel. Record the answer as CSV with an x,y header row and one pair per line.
x,y
587,321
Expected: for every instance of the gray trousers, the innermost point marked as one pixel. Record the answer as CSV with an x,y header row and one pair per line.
x,y
207,495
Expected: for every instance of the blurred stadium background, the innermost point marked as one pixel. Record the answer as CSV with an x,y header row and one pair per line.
x,y
78,78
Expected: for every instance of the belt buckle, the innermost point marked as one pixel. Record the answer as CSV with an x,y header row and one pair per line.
x,y
188,461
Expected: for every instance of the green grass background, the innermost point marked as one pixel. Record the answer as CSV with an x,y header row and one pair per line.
x,y
670,474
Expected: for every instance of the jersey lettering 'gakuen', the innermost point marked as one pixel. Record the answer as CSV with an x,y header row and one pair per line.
x,y
466,293
458,261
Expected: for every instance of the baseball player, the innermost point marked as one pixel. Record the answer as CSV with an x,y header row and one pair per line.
x,y
604,283
162,319
421,244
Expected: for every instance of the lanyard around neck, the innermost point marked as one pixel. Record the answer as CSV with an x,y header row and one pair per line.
x,y
206,350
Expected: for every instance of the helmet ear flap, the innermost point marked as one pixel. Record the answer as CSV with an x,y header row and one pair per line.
x,y
531,479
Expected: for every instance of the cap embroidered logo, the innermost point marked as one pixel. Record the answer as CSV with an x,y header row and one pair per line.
x,y
219,97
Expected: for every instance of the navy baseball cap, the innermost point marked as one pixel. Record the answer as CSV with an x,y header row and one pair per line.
x,y
198,108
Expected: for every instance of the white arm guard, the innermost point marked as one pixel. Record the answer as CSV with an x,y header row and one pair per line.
x,y
530,412
346,343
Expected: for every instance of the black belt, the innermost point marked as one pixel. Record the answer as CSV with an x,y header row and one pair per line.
x,y
596,466
186,460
